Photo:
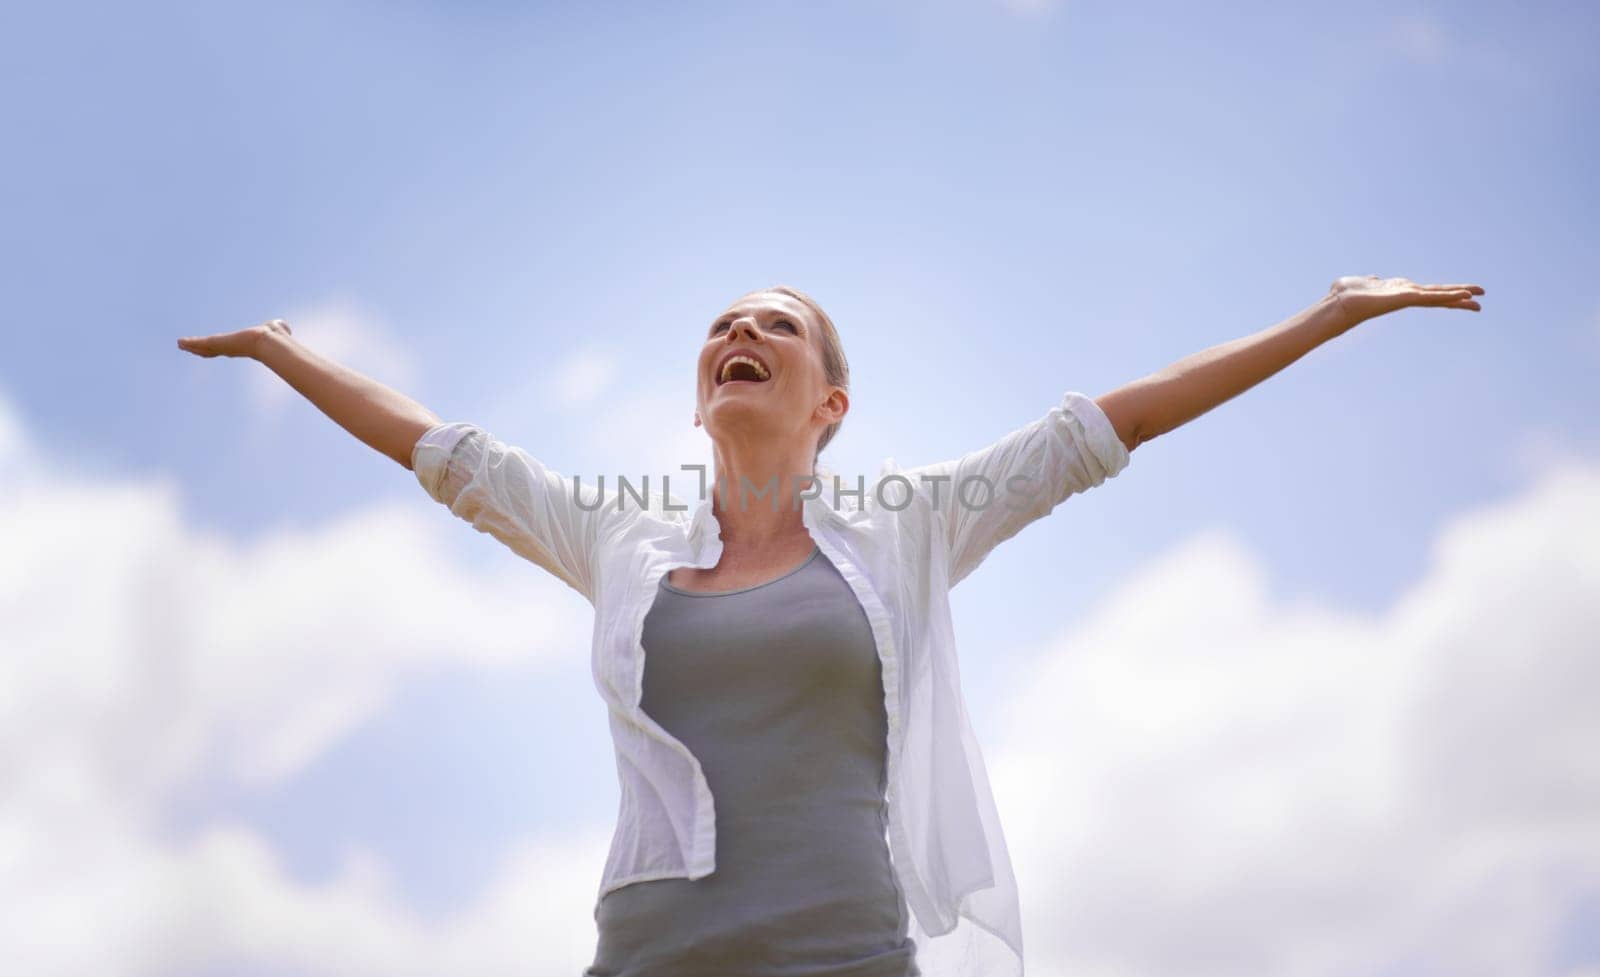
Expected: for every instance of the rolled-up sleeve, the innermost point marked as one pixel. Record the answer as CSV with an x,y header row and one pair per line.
x,y
507,493
987,496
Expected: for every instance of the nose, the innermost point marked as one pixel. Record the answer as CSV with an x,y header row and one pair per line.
x,y
744,327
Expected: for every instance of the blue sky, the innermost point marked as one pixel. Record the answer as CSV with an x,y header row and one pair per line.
x,y
526,216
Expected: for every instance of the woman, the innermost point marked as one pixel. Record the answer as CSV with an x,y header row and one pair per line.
x,y
801,790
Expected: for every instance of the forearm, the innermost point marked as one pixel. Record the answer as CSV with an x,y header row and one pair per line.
x,y
378,415
1153,405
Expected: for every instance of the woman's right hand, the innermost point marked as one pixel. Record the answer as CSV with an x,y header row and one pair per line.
x,y
245,342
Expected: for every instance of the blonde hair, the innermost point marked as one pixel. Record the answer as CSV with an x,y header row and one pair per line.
x,y
835,368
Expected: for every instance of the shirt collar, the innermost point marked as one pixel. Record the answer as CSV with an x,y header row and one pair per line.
x,y
705,530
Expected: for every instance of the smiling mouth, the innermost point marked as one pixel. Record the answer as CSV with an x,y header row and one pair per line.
x,y
742,369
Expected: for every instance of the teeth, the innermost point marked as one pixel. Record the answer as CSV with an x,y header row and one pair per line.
x,y
761,371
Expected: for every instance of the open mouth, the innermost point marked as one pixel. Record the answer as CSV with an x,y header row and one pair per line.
x,y
742,369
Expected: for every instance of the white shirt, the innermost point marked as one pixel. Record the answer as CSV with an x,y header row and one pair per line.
x,y
901,546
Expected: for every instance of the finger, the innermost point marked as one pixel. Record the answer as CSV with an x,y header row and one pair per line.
x,y
1474,289
1444,297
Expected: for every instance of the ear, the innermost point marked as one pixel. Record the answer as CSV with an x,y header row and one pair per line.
x,y
839,401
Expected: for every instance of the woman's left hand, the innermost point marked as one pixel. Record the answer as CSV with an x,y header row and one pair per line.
x,y
1362,297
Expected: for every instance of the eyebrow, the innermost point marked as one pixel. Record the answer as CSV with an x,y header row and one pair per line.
x,y
766,312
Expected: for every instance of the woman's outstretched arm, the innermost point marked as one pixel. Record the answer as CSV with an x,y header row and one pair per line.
x,y
378,415
500,489
1151,406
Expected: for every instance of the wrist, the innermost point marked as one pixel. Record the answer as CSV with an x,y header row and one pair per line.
x,y
268,338
1331,310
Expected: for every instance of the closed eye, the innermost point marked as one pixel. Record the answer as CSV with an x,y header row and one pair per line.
x,y
720,326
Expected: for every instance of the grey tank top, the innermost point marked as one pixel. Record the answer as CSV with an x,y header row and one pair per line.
x,y
777,689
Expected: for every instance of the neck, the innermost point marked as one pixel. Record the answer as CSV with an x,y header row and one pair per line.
x,y
757,490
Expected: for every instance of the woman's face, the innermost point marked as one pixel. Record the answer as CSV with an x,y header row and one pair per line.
x,y
786,394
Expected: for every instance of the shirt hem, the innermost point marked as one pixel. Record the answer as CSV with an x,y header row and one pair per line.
x,y
666,873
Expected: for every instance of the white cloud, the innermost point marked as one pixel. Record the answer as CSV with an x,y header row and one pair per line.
x,y
143,657
262,652
629,429
119,903
652,432
13,440
344,331
1197,779
583,376
1201,780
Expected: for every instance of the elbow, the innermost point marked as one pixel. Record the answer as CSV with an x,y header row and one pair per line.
x,y
1144,430
1134,437
1131,440
1123,413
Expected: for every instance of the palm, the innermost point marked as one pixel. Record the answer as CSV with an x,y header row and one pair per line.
x,y
1363,297
244,342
